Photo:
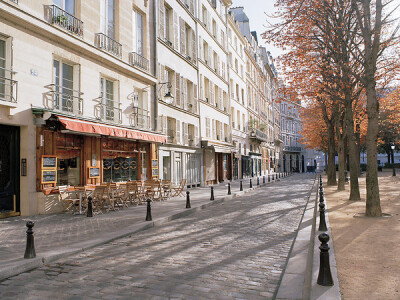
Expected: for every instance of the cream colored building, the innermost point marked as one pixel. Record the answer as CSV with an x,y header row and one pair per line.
x,y
181,157
77,98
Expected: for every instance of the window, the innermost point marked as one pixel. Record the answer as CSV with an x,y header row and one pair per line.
x,y
63,78
6,82
68,150
214,28
137,32
109,110
67,5
169,26
107,18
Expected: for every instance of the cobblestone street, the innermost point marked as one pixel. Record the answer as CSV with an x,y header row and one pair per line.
x,y
234,250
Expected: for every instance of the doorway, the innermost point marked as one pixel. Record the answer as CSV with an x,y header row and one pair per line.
x,y
9,171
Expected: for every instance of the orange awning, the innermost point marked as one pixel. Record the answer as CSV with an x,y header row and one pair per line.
x,y
102,129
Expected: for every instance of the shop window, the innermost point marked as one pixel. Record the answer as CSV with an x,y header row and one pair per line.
x,y
68,153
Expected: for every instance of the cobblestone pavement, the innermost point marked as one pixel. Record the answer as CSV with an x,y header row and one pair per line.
x,y
234,250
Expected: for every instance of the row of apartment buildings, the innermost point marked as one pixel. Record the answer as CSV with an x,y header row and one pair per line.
x,y
116,90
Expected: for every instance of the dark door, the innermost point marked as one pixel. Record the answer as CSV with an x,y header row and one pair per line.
x,y
9,168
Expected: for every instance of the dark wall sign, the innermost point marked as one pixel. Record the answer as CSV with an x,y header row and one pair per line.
x,y
94,172
23,167
49,162
49,176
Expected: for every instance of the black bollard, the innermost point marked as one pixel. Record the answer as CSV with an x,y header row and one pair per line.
x,y
229,188
148,214
212,194
251,184
258,181
264,179
241,186
321,196
89,212
269,177
30,243
273,176
188,199
322,223
324,275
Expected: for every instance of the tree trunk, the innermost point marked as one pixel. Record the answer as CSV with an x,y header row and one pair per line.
x,y
358,147
341,160
331,155
373,202
353,155
326,161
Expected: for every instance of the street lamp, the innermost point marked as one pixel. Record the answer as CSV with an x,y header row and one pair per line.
x,y
394,169
168,98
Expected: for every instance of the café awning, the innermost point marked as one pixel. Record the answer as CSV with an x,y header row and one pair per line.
x,y
108,130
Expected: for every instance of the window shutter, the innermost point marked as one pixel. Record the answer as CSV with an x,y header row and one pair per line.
x,y
214,130
178,131
220,99
182,36
210,58
191,6
211,92
186,133
183,133
184,93
164,124
200,48
221,132
208,20
223,70
195,98
178,89
218,66
208,127
196,136
194,48
201,94
176,32
161,19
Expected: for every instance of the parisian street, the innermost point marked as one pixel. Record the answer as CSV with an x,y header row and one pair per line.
x,y
233,250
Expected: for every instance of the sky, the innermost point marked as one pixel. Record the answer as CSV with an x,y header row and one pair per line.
x,y
255,10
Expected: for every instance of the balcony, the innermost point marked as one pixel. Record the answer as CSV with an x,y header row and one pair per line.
x,y
8,86
292,149
63,99
139,61
140,118
60,17
108,44
259,135
108,110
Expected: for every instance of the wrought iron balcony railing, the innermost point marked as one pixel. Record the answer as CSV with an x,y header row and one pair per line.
x,y
65,20
63,99
108,110
140,118
8,86
139,61
108,44
292,148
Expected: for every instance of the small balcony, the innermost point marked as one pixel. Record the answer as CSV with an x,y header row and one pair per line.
x,y
139,61
108,110
108,44
8,86
63,99
140,118
60,17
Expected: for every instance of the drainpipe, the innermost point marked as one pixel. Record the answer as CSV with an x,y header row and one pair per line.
x,y
155,60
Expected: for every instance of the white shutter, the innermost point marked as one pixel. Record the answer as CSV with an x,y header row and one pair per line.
x,y
191,6
195,98
210,58
208,133
164,124
178,131
223,70
178,89
214,130
201,93
218,66
183,133
161,19
221,132
208,21
182,36
196,136
185,93
220,99
182,94
201,48
211,92
176,32
186,133
194,46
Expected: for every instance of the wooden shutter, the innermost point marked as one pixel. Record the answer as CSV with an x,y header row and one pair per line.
x,y
208,133
184,93
223,70
161,19
211,92
210,58
176,32
183,133
186,134
220,99
178,131
195,100
214,130
178,89
200,48
191,6
182,36
201,94
194,46
196,136
221,131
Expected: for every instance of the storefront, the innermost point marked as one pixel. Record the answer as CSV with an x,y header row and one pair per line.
x,y
247,166
77,152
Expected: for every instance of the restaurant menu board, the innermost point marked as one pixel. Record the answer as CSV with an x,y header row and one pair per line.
x,y
49,176
94,172
49,162
155,172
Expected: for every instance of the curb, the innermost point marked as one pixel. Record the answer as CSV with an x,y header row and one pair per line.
x,y
25,265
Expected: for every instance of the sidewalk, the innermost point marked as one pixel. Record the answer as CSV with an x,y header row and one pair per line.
x,y
60,235
366,249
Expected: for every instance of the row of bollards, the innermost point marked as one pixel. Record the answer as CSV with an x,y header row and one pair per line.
x,y
324,274
30,245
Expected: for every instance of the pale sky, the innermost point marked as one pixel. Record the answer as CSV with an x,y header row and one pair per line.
x,y
255,10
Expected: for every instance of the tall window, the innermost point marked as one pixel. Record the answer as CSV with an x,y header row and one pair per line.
x,y
63,77
2,69
67,5
107,17
107,99
137,31
169,26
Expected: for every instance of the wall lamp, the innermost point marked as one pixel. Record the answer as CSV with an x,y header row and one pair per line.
x,y
168,98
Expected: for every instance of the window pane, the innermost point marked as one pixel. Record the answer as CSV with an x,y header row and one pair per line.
x,y
59,3
70,6
139,34
134,31
110,19
103,27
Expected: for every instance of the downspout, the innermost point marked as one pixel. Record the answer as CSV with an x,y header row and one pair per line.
x,y
155,60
